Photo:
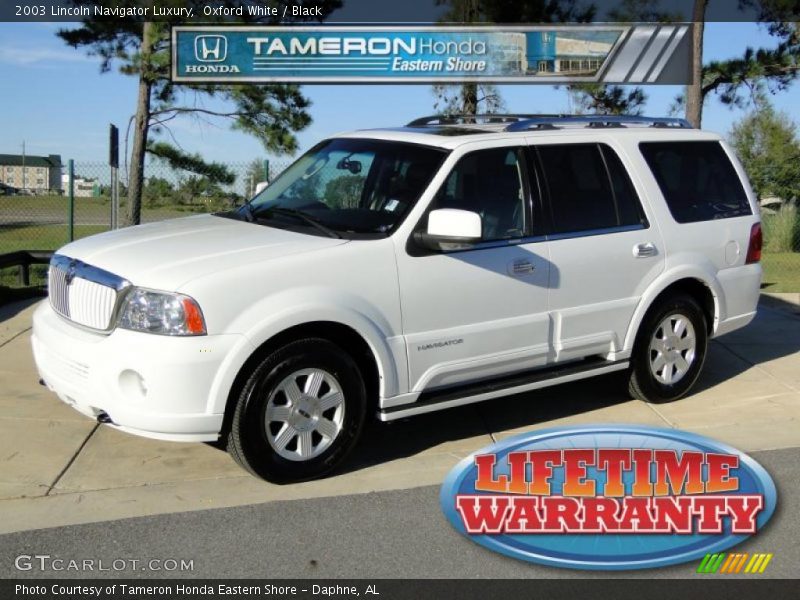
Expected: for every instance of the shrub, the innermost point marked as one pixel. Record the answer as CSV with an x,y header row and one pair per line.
x,y
782,229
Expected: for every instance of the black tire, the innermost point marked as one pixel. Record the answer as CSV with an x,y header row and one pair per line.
x,y
248,441
643,383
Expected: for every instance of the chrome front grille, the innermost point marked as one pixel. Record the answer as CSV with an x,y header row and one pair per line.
x,y
84,294
57,291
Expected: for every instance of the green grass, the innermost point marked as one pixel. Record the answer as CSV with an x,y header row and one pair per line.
x,y
9,284
42,237
781,230
54,205
91,209
781,271
40,222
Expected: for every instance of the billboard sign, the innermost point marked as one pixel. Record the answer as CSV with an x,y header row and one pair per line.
x,y
553,54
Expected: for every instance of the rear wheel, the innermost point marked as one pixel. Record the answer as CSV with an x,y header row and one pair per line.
x,y
669,351
300,412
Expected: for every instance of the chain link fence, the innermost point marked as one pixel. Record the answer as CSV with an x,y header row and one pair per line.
x,y
46,221
42,221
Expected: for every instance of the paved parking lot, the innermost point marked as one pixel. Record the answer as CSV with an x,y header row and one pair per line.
x,y
58,468
390,534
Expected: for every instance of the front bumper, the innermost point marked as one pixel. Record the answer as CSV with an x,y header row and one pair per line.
x,y
150,385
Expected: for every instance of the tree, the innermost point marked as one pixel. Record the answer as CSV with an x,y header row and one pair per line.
x,y
467,99
272,113
344,191
606,99
157,190
777,67
194,190
254,175
596,98
767,144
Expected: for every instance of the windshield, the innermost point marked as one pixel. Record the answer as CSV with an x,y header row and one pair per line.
x,y
350,185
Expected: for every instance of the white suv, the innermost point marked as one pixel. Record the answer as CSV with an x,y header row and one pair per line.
x,y
394,272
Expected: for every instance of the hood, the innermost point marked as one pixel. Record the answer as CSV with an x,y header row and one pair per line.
x,y
168,254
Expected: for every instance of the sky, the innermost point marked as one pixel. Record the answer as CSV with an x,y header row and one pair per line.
x,y
56,100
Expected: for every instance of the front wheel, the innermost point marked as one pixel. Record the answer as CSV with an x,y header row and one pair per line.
x,y
299,413
669,351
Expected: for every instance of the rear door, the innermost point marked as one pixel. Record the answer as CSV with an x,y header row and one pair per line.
x,y
604,251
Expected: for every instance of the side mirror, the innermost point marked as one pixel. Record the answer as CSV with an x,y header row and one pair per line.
x,y
261,186
450,229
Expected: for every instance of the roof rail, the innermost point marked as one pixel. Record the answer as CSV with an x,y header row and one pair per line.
x,y
467,119
552,122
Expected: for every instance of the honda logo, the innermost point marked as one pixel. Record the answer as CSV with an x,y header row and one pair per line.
x,y
210,48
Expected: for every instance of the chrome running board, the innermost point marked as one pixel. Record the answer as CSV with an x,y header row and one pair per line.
x,y
440,399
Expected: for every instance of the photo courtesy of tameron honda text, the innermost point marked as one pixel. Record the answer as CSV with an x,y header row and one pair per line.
x,y
534,258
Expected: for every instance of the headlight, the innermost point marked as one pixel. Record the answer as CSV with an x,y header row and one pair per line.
x,y
161,312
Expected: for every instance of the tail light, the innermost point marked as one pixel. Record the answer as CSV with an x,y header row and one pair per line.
x,y
756,241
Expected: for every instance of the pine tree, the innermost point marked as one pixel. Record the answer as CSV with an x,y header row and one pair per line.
x,y
272,113
734,78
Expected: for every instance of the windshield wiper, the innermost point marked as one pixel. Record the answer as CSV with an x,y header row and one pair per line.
x,y
290,212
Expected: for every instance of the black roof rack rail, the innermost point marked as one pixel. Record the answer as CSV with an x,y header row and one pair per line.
x,y
467,119
552,122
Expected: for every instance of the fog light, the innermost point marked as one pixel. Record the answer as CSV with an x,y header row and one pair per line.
x,y
132,385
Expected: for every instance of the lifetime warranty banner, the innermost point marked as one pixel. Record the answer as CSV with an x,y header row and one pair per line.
x,y
610,54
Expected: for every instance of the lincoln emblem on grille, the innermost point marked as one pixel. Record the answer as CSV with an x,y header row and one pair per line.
x,y
71,271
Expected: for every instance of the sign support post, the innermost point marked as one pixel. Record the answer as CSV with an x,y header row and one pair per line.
x,y
70,200
113,161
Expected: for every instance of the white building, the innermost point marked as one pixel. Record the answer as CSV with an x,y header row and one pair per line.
x,y
84,187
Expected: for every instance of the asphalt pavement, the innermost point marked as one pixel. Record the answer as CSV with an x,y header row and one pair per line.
x,y
392,534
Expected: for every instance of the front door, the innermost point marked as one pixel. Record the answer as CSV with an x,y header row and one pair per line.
x,y
476,313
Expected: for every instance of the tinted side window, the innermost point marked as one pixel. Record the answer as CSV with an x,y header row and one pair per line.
x,y
488,182
580,192
697,179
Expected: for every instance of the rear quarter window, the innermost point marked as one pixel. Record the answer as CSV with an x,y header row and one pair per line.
x,y
697,180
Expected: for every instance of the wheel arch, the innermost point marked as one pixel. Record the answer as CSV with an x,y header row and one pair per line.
x,y
703,289
344,336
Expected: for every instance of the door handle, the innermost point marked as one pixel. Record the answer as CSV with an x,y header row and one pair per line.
x,y
521,266
645,250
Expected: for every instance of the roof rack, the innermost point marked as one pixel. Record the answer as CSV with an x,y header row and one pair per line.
x,y
467,119
553,122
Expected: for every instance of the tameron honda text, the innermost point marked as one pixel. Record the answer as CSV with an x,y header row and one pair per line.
x,y
608,497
